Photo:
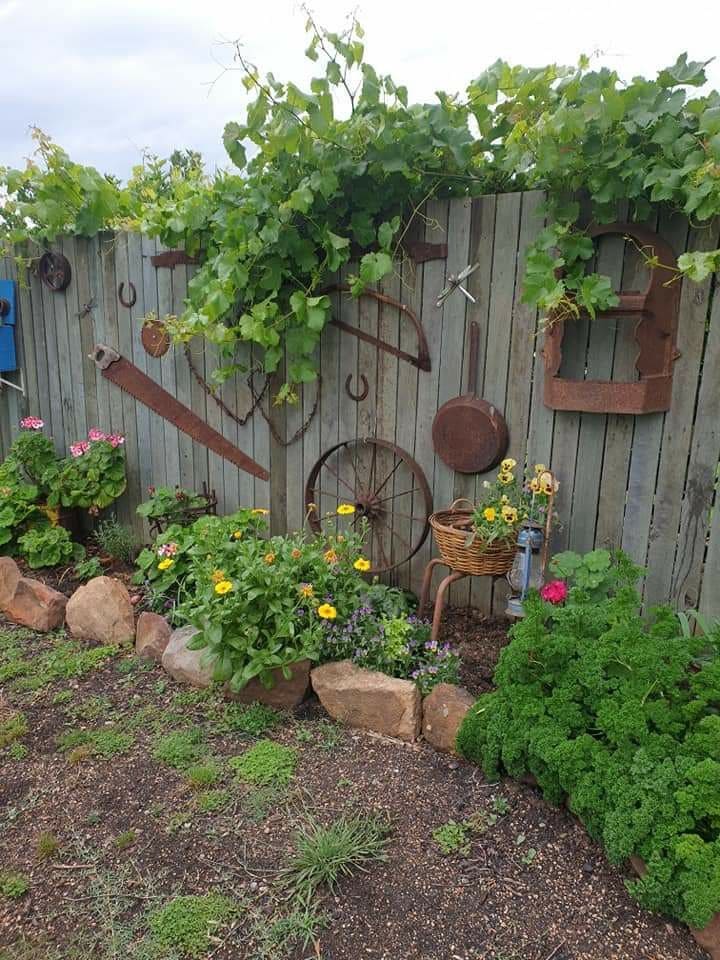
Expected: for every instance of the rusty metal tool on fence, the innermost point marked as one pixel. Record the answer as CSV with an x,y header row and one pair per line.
x,y
131,379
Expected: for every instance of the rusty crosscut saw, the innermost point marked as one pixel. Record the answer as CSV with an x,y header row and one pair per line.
x,y
131,379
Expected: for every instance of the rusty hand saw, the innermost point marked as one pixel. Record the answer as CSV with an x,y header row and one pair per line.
x,y
131,379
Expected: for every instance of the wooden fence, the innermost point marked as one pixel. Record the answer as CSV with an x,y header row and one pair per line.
x,y
646,483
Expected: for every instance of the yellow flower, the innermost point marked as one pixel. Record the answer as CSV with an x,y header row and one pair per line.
x,y
306,590
327,611
330,556
296,554
311,507
269,558
165,564
490,513
345,509
535,485
217,576
505,477
509,514
508,464
548,484
362,564
237,534
504,499
223,587
540,468
260,511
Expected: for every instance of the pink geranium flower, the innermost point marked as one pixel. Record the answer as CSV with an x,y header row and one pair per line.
x,y
32,423
79,448
555,592
115,439
95,434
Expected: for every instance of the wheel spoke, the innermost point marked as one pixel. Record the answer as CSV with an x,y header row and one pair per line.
x,y
386,562
394,533
337,475
409,516
392,473
394,496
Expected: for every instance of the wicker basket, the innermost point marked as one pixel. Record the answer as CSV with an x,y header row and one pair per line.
x,y
451,528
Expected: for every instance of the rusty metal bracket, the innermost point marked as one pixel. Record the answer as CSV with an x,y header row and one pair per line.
x,y
132,299
420,251
171,258
55,271
357,397
421,361
133,381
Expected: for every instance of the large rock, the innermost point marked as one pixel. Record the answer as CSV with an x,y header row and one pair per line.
x,y
29,602
152,636
284,693
444,709
101,611
709,937
185,665
367,699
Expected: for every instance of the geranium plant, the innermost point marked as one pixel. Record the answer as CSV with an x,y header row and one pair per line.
x,y
45,545
93,476
510,502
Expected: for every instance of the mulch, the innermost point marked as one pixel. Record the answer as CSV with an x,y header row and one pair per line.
x,y
563,901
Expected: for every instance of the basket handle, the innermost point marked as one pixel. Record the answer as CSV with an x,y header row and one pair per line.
x,y
459,500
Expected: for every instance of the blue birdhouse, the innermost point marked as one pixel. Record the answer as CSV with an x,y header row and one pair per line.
x,y
8,317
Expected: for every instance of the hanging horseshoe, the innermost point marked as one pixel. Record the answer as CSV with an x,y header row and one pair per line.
x,y
357,397
133,295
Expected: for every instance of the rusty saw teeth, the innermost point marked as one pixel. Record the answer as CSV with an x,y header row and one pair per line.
x,y
132,380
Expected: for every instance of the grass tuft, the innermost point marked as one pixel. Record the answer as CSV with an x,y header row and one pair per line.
x,y
104,743
181,749
13,885
324,855
267,762
185,925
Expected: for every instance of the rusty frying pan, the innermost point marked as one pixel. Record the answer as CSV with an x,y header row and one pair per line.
x,y
468,433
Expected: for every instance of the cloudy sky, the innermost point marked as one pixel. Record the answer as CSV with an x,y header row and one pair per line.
x,y
108,79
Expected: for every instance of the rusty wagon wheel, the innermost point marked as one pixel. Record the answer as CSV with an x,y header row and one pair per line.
x,y
384,485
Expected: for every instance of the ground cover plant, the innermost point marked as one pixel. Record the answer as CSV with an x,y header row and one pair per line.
x,y
618,716
117,854
343,167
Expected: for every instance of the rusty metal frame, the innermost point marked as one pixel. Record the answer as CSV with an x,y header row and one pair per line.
x,y
421,361
657,309
420,251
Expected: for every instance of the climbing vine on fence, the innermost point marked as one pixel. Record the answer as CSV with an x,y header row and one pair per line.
x,y
338,171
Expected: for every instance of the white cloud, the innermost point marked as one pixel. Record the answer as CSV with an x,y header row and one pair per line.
x,y
107,79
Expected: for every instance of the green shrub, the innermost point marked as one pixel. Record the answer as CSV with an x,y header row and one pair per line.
x,y
104,743
266,762
13,885
46,546
114,540
619,716
186,924
12,729
181,749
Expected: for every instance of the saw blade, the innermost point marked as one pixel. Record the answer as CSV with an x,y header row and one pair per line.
x,y
132,380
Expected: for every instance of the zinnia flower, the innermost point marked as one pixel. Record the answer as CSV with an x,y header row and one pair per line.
x,y
490,513
269,558
327,611
237,534
555,592
296,554
362,564
223,587
345,509
330,556
508,464
165,564
306,590
217,576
